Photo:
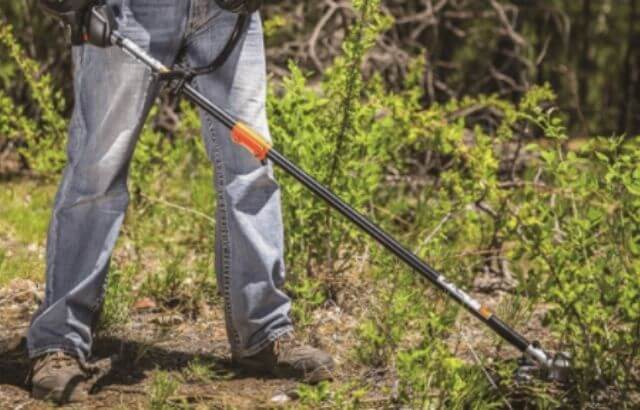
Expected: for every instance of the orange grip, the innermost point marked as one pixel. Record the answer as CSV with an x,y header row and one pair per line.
x,y
243,135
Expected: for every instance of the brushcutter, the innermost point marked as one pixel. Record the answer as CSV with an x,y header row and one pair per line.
x,y
553,367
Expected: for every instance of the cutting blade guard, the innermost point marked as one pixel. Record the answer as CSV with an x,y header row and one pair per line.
x,y
556,369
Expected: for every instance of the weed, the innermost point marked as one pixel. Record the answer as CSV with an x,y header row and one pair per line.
x,y
198,372
163,388
118,299
310,296
326,395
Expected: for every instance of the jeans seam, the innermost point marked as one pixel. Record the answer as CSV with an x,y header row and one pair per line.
x,y
63,196
225,234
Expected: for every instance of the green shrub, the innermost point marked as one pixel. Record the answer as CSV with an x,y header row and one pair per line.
x,y
327,131
582,234
40,139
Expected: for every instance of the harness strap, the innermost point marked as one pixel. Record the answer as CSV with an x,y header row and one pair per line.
x,y
182,75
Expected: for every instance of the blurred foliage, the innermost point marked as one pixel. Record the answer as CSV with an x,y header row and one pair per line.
x,y
38,137
44,41
589,51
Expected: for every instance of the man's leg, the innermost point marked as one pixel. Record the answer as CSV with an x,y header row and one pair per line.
x,y
249,245
249,232
113,94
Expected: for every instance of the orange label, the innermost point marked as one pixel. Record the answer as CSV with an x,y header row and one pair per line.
x,y
485,312
243,135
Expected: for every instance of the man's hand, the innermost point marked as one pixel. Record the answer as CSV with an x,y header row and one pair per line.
x,y
89,20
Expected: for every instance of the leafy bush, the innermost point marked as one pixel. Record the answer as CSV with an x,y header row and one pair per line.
x,y
327,131
584,235
40,139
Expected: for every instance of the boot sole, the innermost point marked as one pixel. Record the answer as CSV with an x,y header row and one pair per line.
x,y
322,373
73,393
318,375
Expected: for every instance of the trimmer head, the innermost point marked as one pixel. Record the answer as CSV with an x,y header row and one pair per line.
x,y
560,369
557,370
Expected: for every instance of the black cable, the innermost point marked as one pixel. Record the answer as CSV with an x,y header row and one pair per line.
x,y
183,75
224,55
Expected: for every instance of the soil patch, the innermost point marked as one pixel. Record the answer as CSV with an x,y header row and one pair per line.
x,y
152,342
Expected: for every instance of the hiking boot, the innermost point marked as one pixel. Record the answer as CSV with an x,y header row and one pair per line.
x,y
283,358
60,378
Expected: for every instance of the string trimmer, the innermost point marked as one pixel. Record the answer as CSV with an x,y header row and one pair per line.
x,y
554,367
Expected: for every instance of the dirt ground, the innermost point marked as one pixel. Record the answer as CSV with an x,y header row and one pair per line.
x,y
152,341
156,340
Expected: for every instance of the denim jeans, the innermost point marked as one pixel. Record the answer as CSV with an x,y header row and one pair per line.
x,y
113,95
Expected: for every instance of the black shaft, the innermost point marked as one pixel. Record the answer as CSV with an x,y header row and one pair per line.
x,y
394,246
202,102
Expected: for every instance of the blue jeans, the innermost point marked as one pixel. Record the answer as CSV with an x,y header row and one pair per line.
x,y
113,95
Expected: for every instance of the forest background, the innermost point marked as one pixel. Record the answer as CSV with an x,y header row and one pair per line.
x,y
588,51
499,138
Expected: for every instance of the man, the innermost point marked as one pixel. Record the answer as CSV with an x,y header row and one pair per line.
x,y
113,95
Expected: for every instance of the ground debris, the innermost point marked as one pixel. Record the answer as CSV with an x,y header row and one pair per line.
x,y
280,398
152,342
168,320
145,304
18,301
